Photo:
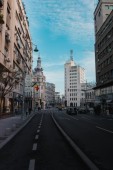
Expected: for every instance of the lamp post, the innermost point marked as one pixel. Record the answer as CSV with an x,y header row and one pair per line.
x,y
36,49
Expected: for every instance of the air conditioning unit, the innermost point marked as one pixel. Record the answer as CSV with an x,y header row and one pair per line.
x,y
7,37
8,60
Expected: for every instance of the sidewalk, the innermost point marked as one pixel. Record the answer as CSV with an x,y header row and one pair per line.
x,y
10,126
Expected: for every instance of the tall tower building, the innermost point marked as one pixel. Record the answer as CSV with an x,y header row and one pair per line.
x,y
74,76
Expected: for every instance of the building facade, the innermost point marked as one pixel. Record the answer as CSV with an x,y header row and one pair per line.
x,y
74,76
15,48
89,100
104,54
50,94
39,80
57,99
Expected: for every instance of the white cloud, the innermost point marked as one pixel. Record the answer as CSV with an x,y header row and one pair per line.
x,y
73,18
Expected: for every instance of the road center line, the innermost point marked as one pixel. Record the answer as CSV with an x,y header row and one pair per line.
x,y
34,146
32,164
85,118
74,118
37,136
38,131
109,131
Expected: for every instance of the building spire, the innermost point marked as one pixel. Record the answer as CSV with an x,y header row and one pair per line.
x,y
71,55
39,61
38,67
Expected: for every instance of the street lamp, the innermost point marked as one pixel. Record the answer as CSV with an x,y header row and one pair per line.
x,y
36,49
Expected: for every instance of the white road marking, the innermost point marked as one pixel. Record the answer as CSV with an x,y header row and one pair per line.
x,y
85,118
37,136
109,131
74,118
38,131
102,118
32,164
39,127
65,118
34,146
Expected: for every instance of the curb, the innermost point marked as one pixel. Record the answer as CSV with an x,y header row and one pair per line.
x,y
16,132
84,157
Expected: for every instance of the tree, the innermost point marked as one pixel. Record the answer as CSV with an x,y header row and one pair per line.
x,y
7,82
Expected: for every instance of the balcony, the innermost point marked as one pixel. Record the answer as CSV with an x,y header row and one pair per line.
x,y
1,3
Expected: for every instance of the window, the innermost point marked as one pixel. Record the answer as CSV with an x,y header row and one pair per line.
x,y
99,13
111,7
107,6
112,73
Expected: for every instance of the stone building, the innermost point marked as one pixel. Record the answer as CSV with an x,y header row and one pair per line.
x,y
50,94
15,49
104,53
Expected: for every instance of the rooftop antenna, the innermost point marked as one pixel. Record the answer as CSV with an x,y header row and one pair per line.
x,y
71,55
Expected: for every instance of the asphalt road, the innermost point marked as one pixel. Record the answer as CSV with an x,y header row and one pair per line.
x,y
93,134
40,146
17,153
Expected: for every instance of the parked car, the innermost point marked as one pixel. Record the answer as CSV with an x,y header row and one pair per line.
x,y
83,111
72,111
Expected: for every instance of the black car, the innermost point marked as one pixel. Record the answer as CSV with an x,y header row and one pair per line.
x,y
71,111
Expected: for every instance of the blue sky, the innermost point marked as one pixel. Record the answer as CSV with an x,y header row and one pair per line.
x,y
57,26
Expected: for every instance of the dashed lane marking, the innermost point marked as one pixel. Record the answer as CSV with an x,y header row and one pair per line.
x,y
64,118
38,131
34,146
85,118
32,164
106,130
74,118
37,136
